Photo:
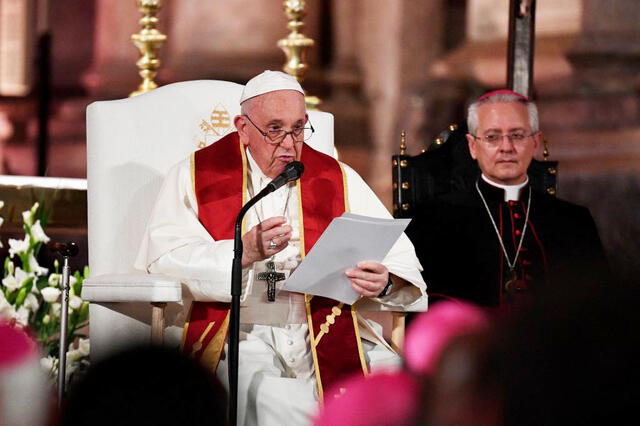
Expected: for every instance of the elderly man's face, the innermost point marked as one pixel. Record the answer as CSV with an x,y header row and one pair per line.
x,y
282,109
505,162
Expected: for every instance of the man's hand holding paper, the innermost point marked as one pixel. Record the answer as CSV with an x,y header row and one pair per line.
x,y
344,264
368,278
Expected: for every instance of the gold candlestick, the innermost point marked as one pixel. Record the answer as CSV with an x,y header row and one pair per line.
x,y
148,41
295,45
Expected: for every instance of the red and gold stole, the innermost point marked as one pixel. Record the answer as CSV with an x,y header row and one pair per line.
x,y
219,173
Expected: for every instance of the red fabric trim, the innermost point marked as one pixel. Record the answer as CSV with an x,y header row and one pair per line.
x,y
542,250
218,185
323,198
201,315
218,178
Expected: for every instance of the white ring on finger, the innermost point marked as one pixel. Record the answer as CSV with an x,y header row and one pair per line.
x,y
272,244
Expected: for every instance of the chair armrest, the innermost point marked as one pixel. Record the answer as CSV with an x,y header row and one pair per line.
x,y
132,288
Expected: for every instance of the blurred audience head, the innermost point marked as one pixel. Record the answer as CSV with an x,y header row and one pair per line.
x,y
25,395
430,332
381,399
146,385
566,359
572,360
464,387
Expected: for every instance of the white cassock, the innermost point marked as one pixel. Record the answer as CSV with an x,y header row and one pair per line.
x,y
276,382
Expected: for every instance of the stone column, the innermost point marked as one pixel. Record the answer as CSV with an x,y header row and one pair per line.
x,y
594,118
594,126
113,72
401,39
211,39
346,100
606,55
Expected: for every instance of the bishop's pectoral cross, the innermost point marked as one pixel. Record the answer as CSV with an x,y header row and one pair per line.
x,y
271,276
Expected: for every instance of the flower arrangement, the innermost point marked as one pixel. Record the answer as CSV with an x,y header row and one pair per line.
x,y
30,296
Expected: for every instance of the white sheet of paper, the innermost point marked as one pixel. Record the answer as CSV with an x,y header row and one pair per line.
x,y
348,239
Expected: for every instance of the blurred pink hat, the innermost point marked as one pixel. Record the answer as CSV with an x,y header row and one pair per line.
x,y
386,398
24,392
432,331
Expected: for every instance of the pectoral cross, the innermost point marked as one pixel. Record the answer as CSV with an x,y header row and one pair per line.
x,y
271,276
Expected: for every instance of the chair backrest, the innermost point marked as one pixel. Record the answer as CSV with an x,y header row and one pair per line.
x,y
445,167
131,144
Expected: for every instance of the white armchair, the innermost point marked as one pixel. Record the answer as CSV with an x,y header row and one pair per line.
x,y
131,144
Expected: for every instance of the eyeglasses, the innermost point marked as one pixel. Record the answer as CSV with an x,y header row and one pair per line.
x,y
494,139
276,134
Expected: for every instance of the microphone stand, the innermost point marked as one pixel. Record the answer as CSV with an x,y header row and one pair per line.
x,y
236,291
291,173
66,250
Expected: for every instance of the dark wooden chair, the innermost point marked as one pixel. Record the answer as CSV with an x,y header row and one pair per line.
x,y
446,166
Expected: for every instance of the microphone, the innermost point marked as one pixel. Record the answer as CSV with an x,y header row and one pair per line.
x,y
69,249
292,172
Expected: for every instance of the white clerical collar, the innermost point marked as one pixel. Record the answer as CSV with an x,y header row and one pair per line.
x,y
254,168
511,192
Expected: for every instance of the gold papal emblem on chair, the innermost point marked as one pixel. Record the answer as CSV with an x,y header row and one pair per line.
x,y
219,124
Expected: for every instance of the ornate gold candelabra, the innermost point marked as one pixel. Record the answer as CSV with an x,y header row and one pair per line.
x,y
148,41
296,44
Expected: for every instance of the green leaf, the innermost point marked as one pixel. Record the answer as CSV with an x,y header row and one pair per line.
x,y
42,282
22,294
77,287
84,311
28,283
24,260
36,248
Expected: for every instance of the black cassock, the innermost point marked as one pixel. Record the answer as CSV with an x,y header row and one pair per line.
x,y
459,249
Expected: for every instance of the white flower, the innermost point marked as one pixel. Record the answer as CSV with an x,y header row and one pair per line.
x,y
11,267
72,280
81,351
83,347
18,246
50,294
35,266
27,218
10,282
38,233
31,302
21,275
72,356
72,366
1,204
1,220
56,308
22,316
75,302
34,287
49,364
7,310
55,279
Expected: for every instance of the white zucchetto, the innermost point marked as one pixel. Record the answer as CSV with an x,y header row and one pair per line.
x,y
269,81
